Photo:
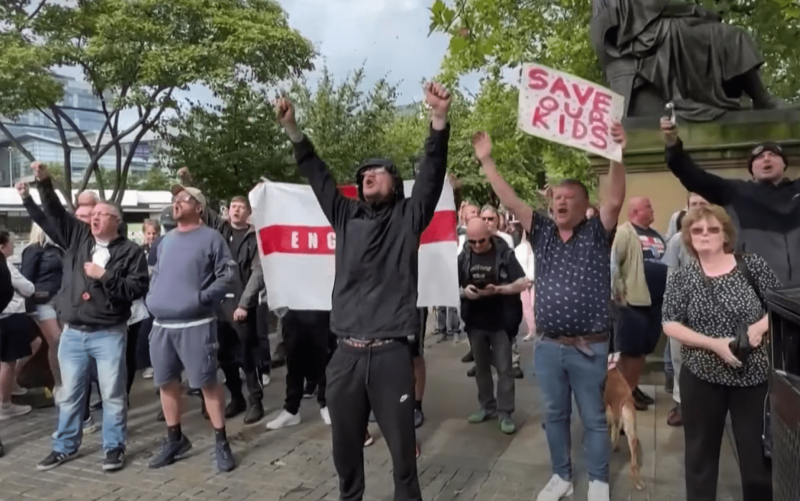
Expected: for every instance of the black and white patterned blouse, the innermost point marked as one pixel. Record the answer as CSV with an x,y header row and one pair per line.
x,y
688,300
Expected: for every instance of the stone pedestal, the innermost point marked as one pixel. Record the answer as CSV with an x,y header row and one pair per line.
x,y
723,146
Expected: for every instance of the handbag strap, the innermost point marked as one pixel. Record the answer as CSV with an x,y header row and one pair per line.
x,y
745,271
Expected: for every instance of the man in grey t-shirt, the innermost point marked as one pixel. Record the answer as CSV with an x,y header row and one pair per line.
x,y
192,275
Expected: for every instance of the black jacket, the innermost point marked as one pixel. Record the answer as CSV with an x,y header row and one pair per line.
x,y
43,266
766,215
512,303
377,247
83,302
249,278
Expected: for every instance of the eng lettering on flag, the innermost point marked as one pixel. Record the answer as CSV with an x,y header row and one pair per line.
x,y
298,248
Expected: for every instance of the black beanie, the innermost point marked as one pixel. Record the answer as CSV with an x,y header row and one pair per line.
x,y
761,148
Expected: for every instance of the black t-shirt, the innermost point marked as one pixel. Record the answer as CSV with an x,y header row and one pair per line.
x,y
489,313
237,237
655,271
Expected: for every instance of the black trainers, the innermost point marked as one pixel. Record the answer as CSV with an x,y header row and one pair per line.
x,y
54,460
468,358
235,407
170,452
2,450
225,459
114,461
254,414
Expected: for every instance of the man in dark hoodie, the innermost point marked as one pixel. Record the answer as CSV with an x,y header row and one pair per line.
x,y
766,210
374,303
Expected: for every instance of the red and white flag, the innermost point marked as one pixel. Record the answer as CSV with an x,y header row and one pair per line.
x,y
297,248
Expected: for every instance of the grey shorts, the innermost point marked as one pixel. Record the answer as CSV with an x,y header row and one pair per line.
x,y
192,348
46,311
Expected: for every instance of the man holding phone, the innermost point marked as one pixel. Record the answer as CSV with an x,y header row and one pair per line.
x,y
491,280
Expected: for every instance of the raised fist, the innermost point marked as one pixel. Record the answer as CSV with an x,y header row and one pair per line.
x,y
482,144
23,189
670,131
39,171
284,110
438,98
184,175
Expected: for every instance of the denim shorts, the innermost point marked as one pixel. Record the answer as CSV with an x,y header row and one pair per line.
x,y
46,311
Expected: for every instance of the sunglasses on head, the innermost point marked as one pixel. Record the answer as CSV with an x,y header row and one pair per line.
x,y
477,242
760,149
490,218
712,230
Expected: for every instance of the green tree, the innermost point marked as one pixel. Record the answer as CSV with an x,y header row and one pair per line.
x,y
229,147
135,54
154,180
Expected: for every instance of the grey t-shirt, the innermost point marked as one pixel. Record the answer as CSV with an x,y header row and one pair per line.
x,y
193,273
676,256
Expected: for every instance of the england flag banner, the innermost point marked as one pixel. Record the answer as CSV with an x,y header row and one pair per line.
x,y
297,246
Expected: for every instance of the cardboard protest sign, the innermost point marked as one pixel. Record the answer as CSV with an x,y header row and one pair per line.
x,y
569,110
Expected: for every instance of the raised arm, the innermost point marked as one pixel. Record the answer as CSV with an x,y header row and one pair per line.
x,y
613,194
430,179
713,188
66,229
335,206
483,150
37,214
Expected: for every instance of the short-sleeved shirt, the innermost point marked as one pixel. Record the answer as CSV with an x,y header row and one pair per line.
x,y
572,278
655,271
714,306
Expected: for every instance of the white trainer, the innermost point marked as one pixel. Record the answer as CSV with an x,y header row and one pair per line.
x,y
555,490
284,420
598,491
326,416
10,411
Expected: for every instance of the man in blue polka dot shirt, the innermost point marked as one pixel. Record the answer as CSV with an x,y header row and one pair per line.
x,y
573,296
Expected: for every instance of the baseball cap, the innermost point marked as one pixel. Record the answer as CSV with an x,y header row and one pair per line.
x,y
193,192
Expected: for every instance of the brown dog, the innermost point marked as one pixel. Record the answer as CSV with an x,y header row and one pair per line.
x,y
621,415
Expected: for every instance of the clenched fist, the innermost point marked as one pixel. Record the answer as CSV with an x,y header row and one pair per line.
x,y
618,135
40,171
23,189
670,131
284,109
93,270
184,175
438,98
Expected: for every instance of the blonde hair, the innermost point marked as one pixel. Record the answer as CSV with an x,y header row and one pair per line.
x,y
38,236
704,213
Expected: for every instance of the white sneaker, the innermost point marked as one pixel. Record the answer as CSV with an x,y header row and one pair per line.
x,y
19,391
556,489
284,420
10,411
148,373
326,416
265,380
598,491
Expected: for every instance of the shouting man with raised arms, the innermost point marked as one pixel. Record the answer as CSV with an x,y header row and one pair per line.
x,y
374,309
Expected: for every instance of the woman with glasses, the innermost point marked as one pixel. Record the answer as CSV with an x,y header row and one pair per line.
x,y
714,307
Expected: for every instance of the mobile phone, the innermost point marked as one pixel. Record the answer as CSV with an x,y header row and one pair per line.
x,y
669,110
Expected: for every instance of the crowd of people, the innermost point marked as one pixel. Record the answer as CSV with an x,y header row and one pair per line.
x,y
191,301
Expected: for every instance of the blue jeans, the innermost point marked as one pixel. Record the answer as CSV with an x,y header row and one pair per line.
x,y
563,371
669,368
76,351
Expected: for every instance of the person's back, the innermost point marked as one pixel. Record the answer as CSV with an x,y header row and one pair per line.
x,y
185,268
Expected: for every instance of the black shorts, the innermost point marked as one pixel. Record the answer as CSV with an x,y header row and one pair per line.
x,y
418,343
15,337
638,329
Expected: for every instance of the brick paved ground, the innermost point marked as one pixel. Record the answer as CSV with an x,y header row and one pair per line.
x,y
459,460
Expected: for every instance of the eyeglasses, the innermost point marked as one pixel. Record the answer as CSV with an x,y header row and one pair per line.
x,y
104,214
491,218
712,230
181,199
374,171
477,242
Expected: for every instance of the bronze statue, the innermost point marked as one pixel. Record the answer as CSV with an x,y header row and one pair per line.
x,y
657,51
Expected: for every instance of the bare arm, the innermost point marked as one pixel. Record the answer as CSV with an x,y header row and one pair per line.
x,y
515,287
687,336
613,195
483,150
